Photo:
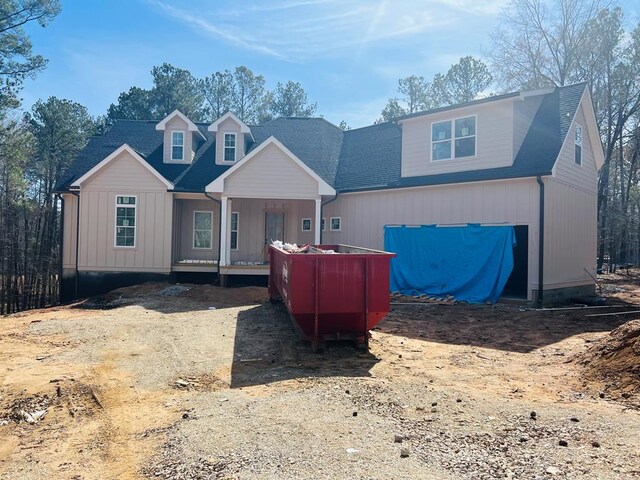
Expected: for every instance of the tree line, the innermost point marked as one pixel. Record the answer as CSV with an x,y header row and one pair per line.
x,y
539,44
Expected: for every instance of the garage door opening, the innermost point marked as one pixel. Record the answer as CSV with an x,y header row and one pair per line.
x,y
516,286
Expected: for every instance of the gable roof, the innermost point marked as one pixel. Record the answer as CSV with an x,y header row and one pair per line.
x,y
162,125
244,128
362,159
218,184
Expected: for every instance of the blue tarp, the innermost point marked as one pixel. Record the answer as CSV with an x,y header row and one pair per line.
x,y
470,263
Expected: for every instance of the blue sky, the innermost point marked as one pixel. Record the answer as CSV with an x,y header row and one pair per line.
x,y
347,54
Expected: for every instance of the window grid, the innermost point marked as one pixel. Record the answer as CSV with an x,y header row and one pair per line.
x,y
177,145
229,147
455,138
578,145
335,224
202,230
306,224
125,226
235,218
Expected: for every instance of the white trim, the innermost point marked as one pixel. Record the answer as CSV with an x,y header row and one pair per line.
x,y
302,229
193,242
107,160
243,127
331,224
192,127
453,138
217,186
318,221
237,230
223,160
184,137
135,221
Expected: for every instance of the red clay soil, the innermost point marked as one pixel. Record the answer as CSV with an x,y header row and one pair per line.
x,y
613,362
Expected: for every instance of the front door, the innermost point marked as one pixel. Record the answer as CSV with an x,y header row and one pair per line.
x,y
273,229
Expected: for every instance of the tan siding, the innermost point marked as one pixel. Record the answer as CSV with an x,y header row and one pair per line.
x,y
494,128
364,215
570,235
69,231
251,226
152,253
271,174
566,170
229,126
185,234
177,124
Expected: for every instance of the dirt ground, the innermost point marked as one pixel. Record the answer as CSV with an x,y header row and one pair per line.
x,y
154,382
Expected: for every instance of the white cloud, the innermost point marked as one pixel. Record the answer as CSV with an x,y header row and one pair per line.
x,y
307,29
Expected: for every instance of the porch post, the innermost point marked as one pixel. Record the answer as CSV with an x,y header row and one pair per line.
x,y
222,261
318,222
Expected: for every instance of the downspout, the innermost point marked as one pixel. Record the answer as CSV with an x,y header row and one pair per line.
x,y
541,243
322,212
206,194
61,247
77,272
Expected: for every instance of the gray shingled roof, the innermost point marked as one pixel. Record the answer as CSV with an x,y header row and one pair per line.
x,y
361,159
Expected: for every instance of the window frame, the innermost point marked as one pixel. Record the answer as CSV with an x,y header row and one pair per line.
x,y
331,219
453,139
323,224
135,221
237,230
577,144
193,243
310,225
184,137
224,147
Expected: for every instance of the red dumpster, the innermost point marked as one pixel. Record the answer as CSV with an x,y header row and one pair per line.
x,y
332,296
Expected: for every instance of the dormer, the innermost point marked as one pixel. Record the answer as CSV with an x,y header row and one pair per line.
x,y
181,138
232,135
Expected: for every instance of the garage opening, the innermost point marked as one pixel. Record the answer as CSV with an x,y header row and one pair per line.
x,y
516,286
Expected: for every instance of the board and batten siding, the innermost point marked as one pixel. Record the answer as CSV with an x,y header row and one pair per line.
x,y
69,231
184,229
494,140
154,210
364,215
229,126
271,174
571,212
179,125
251,228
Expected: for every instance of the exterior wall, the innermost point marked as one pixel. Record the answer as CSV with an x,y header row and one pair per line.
x,y
152,253
364,215
229,126
251,225
69,232
585,176
184,230
271,174
176,123
494,140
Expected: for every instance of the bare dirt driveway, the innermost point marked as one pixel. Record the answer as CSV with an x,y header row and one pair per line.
x,y
150,382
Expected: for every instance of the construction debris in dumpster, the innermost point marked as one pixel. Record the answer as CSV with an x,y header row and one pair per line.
x,y
293,248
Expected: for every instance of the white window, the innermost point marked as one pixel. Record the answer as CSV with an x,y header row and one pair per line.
x,y
234,230
306,224
202,229
578,145
125,221
323,224
453,138
229,147
177,145
336,224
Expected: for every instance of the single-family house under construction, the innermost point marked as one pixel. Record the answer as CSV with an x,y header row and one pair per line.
x,y
151,198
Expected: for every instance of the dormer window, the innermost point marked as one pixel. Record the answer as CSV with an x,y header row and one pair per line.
x,y
453,139
177,146
229,147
